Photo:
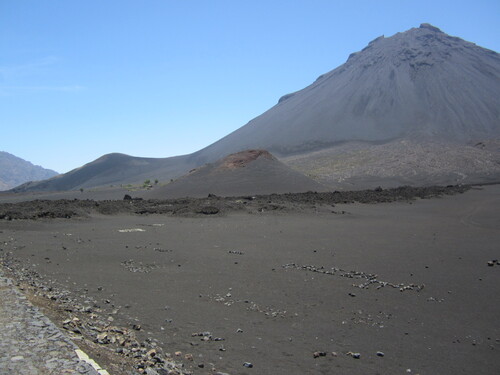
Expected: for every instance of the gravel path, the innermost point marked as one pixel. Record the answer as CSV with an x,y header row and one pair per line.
x,y
30,343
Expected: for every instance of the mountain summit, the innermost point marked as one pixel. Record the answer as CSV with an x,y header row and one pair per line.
x,y
419,83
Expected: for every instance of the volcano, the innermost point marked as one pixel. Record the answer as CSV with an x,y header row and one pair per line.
x,y
243,173
419,107
421,83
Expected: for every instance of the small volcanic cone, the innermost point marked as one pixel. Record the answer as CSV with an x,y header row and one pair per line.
x,y
247,172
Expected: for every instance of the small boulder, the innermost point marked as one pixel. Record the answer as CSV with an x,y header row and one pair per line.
x,y
209,210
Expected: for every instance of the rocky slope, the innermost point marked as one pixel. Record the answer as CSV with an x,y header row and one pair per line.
x,y
363,165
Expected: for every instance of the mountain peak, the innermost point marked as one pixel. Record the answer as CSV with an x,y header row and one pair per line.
x,y
428,26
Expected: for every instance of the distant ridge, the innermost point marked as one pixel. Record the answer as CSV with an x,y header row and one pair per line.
x,y
112,169
15,171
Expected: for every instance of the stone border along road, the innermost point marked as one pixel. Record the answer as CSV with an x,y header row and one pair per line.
x,y
30,344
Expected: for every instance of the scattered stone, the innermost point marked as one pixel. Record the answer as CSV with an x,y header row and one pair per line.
x,y
131,266
354,355
205,335
160,250
380,354
247,364
319,354
229,300
371,279
102,338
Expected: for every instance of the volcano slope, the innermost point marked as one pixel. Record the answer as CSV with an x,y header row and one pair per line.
x,y
417,84
244,173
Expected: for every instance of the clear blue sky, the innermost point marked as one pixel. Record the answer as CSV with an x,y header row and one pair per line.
x,y
82,78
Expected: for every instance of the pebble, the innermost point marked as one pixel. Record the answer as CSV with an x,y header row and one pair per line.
x,y
354,355
319,354
247,364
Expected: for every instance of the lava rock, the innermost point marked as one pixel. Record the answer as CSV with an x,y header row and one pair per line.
x,y
209,210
